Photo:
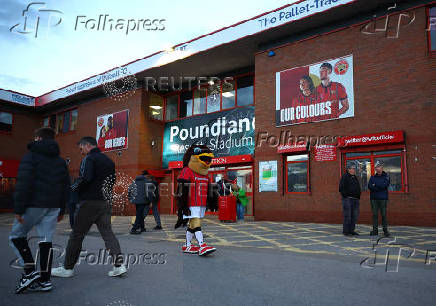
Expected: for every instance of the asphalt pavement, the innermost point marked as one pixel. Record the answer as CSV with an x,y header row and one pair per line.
x,y
256,263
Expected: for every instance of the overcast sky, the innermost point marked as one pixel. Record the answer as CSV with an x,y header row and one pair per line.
x,y
61,54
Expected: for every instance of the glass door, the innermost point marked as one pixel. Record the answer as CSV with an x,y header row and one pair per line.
x,y
243,177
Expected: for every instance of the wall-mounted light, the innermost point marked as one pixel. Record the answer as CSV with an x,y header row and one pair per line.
x,y
271,53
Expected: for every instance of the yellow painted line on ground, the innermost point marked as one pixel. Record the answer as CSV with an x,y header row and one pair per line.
x,y
282,246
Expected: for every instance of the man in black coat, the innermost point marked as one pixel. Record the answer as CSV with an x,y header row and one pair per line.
x,y
41,192
143,192
349,187
94,186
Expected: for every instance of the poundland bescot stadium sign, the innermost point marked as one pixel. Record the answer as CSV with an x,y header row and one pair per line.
x,y
226,133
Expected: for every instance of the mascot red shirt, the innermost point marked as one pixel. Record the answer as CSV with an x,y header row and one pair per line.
x,y
195,194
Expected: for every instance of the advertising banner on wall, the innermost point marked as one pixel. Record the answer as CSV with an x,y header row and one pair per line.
x,y
316,92
226,133
268,176
112,130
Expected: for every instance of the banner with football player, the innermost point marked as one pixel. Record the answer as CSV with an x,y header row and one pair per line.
x,y
112,131
317,92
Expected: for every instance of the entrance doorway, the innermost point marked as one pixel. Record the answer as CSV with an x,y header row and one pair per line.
x,y
242,176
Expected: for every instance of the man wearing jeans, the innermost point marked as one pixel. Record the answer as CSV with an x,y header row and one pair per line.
x,y
349,187
143,192
94,185
39,201
153,196
378,186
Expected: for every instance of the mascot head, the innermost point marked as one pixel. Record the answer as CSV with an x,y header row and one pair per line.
x,y
198,158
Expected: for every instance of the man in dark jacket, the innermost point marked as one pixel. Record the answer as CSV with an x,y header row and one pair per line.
x,y
39,201
152,189
143,192
94,186
378,186
349,187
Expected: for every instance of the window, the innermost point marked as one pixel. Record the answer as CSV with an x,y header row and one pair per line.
x,y
244,93
200,101
171,107
392,166
297,173
432,29
5,122
46,122
228,93
64,122
66,125
60,123
213,98
186,104
73,123
366,161
156,107
363,171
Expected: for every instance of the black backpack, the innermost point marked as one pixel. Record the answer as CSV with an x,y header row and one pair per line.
x,y
151,192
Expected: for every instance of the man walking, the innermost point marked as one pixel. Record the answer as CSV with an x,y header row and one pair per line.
x,y
41,192
97,172
152,189
146,193
349,188
378,186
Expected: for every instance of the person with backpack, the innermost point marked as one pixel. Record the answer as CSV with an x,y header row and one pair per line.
x,y
143,192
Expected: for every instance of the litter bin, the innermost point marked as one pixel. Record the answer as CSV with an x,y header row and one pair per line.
x,y
227,208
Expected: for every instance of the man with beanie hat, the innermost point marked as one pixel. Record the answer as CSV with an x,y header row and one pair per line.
x,y
40,195
378,186
349,187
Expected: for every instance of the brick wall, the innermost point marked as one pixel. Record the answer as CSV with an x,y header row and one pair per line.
x,y
394,89
13,145
138,156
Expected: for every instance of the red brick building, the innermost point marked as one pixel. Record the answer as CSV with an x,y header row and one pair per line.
x,y
267,72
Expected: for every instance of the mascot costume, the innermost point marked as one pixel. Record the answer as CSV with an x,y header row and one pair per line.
x,y
195,194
